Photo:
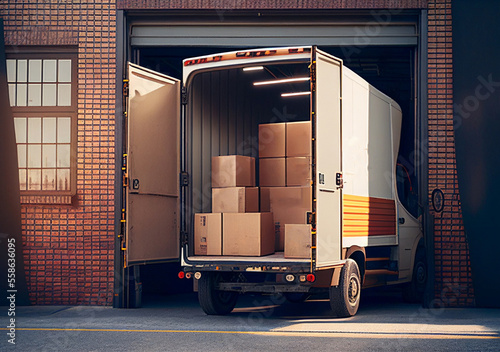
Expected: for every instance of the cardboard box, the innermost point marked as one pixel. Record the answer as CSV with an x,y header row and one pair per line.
x,y
298,171
265,205
298,139
272,140
208,234
233,171
297,241
235,200
248,234
289,205
272,172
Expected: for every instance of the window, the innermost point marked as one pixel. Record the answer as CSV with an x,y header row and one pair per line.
x,y
42,92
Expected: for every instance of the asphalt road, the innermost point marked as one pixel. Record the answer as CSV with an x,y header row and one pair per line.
x,y
176,323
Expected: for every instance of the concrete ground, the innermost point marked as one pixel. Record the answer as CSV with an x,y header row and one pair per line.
x,y
259,323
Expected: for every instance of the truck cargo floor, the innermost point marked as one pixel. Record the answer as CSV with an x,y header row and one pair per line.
x,y
277,257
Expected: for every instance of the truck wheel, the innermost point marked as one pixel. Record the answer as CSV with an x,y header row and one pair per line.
x,y
296,297
413,292
212,301
344,298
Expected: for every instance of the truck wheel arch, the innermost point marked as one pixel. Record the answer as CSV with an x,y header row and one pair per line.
x,y
358,254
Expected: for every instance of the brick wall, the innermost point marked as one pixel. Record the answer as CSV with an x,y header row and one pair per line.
x,y
69,249
453,280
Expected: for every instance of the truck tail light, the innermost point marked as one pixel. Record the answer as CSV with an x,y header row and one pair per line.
x,y
311,277
181,274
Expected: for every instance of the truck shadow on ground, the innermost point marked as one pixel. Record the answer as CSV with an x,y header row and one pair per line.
x,y
318,306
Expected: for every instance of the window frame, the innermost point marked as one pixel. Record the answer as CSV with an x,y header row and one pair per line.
x,y
71,111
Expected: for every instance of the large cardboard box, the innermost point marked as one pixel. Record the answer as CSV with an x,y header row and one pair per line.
x,y
298,171
248,234
272,172
289,205
297,241
208,234
272,140
298,139
265,205
233,171
235,200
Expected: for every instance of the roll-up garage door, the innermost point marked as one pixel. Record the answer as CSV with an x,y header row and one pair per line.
x,y
368,34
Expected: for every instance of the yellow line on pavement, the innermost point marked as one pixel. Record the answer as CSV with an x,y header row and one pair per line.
x,y
361,335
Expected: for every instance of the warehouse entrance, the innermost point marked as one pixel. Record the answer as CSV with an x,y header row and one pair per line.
x,y
387,53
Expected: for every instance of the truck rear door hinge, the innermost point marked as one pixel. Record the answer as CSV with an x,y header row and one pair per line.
x,y
184,179
125,88
184,96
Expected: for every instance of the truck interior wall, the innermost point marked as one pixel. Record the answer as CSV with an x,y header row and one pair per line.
x,y
223,113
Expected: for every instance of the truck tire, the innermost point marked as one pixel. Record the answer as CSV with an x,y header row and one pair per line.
x,y
413,292
344,298
212,301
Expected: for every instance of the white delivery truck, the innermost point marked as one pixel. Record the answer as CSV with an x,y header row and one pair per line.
x,y
358,233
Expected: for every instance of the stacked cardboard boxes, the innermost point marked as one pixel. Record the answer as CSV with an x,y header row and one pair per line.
x,y
235,226
242,225
285,182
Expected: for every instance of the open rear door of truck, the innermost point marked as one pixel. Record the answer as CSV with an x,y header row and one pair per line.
x,y
327,106
152,187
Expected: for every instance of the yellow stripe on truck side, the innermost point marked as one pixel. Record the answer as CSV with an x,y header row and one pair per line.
x,y
368,216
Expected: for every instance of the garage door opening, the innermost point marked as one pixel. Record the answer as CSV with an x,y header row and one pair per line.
x,y
390,69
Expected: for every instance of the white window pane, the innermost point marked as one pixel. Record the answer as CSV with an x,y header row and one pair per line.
x,y
34,180
22,179
22,70
34,130
63,182
49,130
11,70
64,71
49,95
49,180
35,70
63,155
34,155
64,130
20,128
21,95
34,95
49,156
12,94
21,155
49,70
64,95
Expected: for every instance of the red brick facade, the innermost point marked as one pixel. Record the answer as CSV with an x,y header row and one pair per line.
x,y
453,280
69,249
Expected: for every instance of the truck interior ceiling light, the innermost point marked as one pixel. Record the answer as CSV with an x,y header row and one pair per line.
x,y
295,94
253,68
279,81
